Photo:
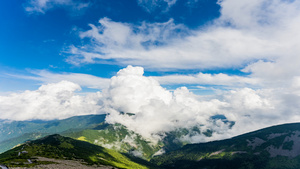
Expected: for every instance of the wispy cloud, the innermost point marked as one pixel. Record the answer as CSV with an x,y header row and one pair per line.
x,y
152,5
41,6
164,46
208,79
95,82
84,80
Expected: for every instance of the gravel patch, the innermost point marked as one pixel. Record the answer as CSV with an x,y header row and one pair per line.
x,y
216,153
63,164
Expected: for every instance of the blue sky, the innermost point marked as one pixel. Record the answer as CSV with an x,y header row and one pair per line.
x,y
37,40
173,62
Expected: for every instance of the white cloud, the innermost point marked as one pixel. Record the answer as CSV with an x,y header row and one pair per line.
x,y
114,42
41,6
208,79
84,80
158,110
51,101
152,5
95,82
130,90
247,33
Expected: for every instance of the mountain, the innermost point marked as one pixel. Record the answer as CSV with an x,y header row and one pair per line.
x,y
92,128
17,132
117,137
120,138
276,147
52,148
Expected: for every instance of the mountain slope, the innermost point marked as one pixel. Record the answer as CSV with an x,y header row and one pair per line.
x,y
17,132
276,147
117,137
59,147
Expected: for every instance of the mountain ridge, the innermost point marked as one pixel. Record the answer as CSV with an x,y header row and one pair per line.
x,y
263,148
64,148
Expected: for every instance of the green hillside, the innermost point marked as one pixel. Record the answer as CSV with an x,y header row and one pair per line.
x,y
117,137
276,147
59,147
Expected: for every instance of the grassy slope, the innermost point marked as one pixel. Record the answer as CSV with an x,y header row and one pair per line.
x,y
56,146
116,137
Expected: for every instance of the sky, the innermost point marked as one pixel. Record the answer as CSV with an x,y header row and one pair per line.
x,y
173,63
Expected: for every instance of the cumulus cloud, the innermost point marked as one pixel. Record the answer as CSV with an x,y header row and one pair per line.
x,y
142,105
41,6
51,101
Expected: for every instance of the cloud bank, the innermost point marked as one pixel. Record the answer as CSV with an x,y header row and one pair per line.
x,y
142,105
51,101
157,110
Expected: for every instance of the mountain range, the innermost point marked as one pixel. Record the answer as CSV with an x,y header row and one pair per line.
x,y
89,140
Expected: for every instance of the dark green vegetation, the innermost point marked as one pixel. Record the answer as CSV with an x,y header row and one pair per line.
x,y
275,147
17,132
59,147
